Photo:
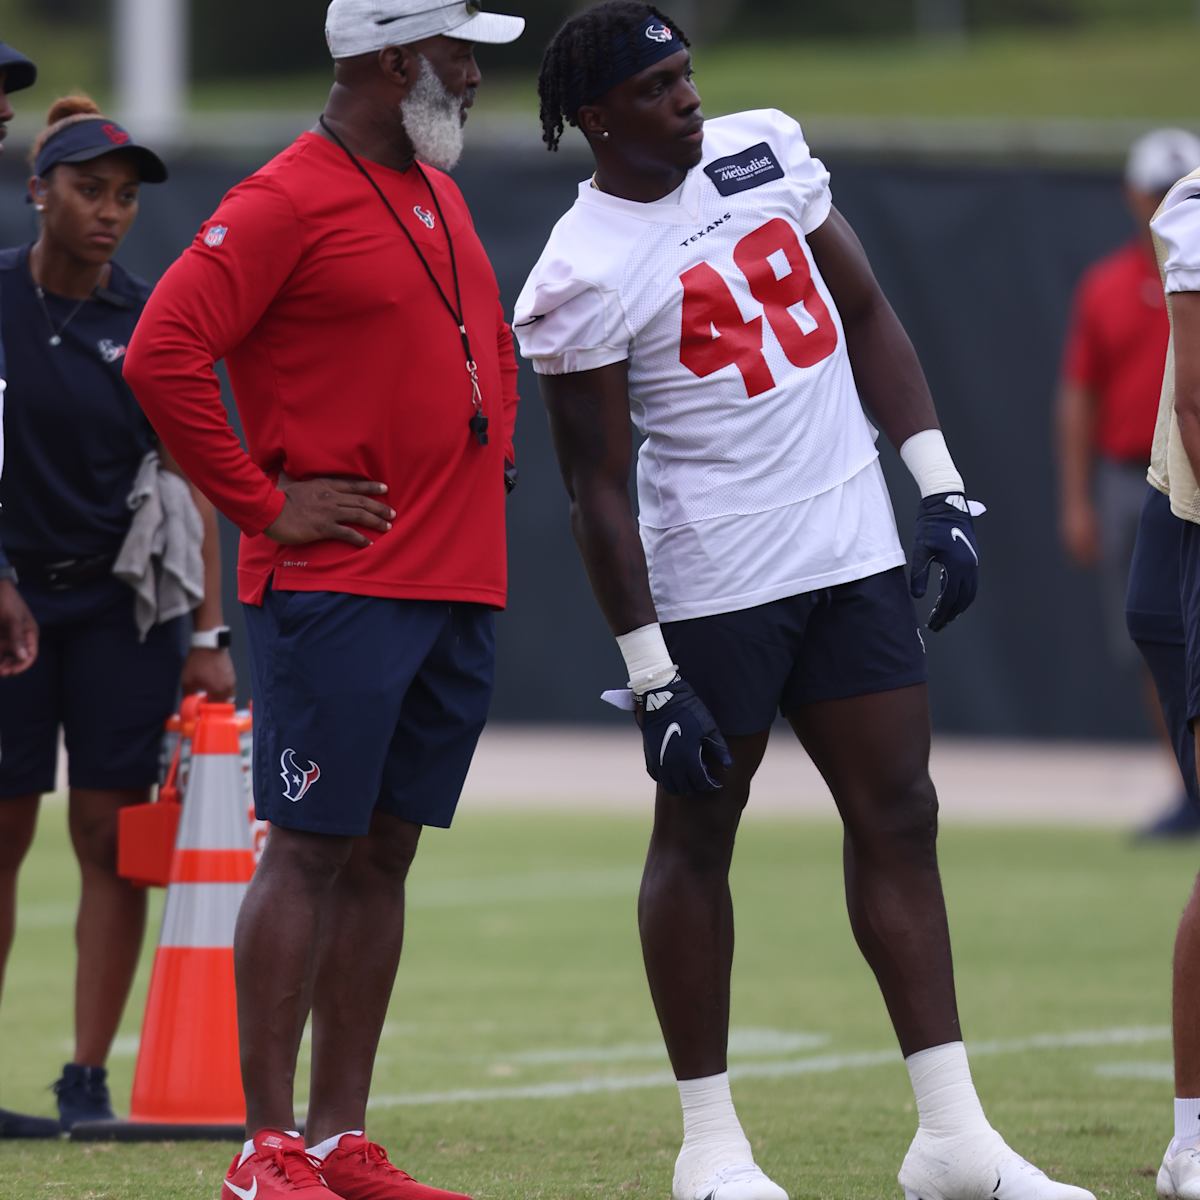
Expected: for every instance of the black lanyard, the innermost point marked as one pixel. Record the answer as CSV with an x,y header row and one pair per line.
x,y
479,422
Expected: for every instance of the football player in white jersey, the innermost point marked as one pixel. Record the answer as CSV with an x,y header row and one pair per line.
x,y
703,283
1163,611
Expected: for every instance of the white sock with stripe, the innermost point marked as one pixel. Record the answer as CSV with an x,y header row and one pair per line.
x,y
329,1145
947,1104
1187,1125
712,1134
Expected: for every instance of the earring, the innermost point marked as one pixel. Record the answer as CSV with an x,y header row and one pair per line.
x,y
39,208
604,134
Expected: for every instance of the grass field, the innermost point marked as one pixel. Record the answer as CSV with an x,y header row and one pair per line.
x,y
521,1058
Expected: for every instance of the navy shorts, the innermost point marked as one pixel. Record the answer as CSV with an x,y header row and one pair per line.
x,y
1154,599
363,703
108,692
854,639
1154,615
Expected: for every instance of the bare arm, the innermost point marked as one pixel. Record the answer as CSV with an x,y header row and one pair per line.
x,y
1185,319
886,370
1076,425
893,387
208,671
589,421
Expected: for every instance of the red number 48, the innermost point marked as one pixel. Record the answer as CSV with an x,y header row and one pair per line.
x,y
715,335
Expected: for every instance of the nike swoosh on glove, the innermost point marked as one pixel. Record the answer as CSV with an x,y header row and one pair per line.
x,y
684,748
946,536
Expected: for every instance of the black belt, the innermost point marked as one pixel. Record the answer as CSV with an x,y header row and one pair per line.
x,y
61,574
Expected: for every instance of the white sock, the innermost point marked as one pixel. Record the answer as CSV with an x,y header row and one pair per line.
x,y
248,1148
329,1145
1187,1125
946,1101
712,1133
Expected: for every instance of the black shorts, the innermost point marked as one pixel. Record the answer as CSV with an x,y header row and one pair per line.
x,y
1154,615
1154,597
365,703
109,693
855,639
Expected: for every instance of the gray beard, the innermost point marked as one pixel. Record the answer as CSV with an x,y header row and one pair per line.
x,y
433,120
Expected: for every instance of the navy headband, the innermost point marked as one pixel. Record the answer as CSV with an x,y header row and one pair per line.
x,y
19,72
632,52
81,141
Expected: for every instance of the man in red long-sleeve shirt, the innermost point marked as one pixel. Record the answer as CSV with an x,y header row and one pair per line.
x,y
346,289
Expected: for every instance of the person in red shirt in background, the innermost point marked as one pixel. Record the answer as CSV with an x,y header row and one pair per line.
x,y
1107,403
360,319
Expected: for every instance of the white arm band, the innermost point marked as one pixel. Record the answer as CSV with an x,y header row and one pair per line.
x,y
928,460
646,658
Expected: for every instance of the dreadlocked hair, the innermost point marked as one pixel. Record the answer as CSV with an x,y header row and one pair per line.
x,y
580,55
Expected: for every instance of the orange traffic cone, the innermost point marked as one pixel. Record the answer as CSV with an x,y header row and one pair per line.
x,y
187,1083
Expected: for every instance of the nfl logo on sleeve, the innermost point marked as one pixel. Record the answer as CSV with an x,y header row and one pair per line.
x,y
216,235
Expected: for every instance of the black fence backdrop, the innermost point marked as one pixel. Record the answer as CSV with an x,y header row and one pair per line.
x,y
980,263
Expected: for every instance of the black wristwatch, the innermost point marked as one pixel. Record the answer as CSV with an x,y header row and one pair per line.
x,y
218,638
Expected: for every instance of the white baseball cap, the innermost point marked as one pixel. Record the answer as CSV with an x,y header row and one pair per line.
x,y
354,27
1161,158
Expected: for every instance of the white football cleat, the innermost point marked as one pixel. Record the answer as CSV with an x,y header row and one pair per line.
x,y
976,1168
736,1181
1179,1175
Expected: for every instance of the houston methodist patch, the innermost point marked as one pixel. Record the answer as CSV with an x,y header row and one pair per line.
x,y
748,169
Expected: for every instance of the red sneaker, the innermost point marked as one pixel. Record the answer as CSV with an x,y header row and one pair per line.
x,y
279,1166
359,1170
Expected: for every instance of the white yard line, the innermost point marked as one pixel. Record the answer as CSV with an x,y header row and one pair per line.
x,y
1157,1072
818,1065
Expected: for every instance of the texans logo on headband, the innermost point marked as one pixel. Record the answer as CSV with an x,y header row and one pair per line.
x,y
633,49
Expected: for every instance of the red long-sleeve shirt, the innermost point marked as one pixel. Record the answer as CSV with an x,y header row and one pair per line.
x,y
344,361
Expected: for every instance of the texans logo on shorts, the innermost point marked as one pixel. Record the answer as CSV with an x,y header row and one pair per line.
x,y
296,779
660,34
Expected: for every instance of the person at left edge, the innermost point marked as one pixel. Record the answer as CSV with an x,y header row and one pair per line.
x,y
18,633
78,447
346,289
18,630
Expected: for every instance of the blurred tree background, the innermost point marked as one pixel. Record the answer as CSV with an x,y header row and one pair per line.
x,y
239,39
873,60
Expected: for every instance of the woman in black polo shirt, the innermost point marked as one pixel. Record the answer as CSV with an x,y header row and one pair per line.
x,y
74,441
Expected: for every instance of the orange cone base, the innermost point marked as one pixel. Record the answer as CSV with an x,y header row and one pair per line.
x,y
187,1070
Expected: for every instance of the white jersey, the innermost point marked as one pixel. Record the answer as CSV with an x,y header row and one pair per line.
x,y
758,477
1177,226
1176,230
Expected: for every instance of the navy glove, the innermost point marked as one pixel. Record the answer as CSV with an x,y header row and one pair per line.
x,y
946,535
684,748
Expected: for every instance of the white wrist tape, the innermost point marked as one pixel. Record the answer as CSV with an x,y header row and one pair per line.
x,y
928,460
646,658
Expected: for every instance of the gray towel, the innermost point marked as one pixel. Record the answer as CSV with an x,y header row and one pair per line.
x,y
160,557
